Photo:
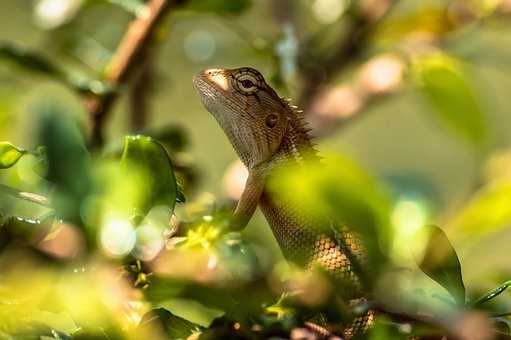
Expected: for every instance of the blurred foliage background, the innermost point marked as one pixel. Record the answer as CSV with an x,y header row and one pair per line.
x,y
413,94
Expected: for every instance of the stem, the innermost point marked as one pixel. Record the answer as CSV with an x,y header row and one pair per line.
x,y
136,39
140,92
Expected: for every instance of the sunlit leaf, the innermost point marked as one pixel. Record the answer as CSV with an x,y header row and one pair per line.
x,y
441,263
443,81
9,154
488,211
220,6
430,20
492,294
147,157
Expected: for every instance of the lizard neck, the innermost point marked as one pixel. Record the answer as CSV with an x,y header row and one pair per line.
x,y
296,146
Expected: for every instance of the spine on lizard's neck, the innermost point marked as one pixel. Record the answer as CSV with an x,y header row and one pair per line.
x,y
296,146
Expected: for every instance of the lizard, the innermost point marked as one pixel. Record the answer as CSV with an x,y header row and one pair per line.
x,y
267,132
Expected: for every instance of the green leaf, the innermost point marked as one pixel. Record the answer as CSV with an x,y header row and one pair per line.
x,y
147,158
69,163
443,81
29,229
36,62
9,154
166,323
441,263
383,330
29,60
338,193
492,294
220,6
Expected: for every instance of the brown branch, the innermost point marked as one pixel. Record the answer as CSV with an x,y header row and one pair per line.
x,y
140,92
136,39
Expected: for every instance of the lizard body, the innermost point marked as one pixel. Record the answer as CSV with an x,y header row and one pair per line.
x,y
266,133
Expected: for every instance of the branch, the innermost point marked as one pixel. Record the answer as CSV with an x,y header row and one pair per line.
x,y
136,40
140,92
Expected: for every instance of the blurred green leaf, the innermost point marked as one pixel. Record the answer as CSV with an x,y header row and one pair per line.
x,y
220,6
9,154
191,310
383,330
430,19
338,190
492,294
69,163
161,321
36,62
144,155
31,230
230,298
488,211
441,263
30,60
443,80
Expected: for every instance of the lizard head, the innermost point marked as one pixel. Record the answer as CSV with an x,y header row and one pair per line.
x,y
252,115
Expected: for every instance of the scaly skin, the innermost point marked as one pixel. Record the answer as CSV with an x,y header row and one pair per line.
x,y
266,133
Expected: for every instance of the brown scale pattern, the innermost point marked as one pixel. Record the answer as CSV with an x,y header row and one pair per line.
x,y
297,231
300,243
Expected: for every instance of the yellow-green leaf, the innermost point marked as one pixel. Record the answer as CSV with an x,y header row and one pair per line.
x,y
441,263
147,158
488,211
9,155
444,82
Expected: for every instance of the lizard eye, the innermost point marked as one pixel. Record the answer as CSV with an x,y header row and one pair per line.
x,y
246,83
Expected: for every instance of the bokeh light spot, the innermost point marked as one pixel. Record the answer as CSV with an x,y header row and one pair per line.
x,y
408,219
199,45
53,13
117,237
328,11
149,242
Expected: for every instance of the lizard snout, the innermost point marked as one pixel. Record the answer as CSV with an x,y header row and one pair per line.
x,y
216,77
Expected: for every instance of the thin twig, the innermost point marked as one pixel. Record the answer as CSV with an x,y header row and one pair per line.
x,y
136,39
24,195
140,92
